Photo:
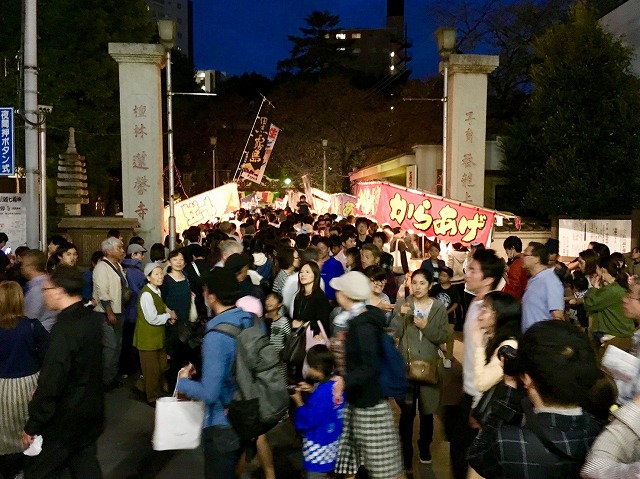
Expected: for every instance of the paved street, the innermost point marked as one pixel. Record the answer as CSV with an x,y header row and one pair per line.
x,y
125,451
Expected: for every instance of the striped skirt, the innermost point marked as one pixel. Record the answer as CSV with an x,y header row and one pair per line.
x,y
15,394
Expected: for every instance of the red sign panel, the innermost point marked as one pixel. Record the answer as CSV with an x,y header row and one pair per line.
x,y
448,220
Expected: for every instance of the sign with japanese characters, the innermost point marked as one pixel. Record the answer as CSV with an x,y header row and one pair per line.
x,y
342,204
575,235
13,216
259,146
205,207
448,220
7,163
271,141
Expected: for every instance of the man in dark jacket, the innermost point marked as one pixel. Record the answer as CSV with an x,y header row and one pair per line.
x,y
195,271
558,368
67,409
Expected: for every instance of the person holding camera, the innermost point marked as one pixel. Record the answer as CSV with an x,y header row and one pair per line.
x,y
537,428
498,326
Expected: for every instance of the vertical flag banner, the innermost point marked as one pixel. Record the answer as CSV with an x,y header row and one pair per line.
x,y
259,146
7,162
271,141
308,190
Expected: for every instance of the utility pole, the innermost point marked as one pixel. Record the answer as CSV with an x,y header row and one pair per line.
x,y
35,237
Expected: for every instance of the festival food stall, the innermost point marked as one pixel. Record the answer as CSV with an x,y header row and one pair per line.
x,y
449,221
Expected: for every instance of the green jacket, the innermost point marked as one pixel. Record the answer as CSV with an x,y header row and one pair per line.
x,y
604,305
148,337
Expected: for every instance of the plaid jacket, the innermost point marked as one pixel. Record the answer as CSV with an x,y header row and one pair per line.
x,y
507,449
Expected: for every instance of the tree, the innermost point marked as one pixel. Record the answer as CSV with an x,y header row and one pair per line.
x,y
575,151
507,29
360,126
76,75
316,50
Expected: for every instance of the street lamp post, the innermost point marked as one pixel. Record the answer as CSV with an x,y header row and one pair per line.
x,y
324,164
167,33
214,144
446,37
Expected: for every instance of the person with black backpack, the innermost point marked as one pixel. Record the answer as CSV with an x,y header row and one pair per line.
x,y
222,444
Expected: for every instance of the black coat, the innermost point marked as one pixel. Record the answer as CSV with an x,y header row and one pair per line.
x,y
363,348
68,405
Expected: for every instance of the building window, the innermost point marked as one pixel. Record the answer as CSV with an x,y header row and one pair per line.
x,y
341,49
179,6
341,36
179,35
179,20
356,51
356,35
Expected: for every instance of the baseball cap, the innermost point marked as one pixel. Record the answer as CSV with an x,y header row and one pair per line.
x,y
135,248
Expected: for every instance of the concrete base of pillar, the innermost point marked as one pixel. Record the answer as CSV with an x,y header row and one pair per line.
x,y
88,233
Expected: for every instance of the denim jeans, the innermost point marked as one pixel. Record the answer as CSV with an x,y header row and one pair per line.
x,y
221,452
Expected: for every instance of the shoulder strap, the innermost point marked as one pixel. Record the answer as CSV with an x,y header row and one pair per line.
x,y
533,424
227,328
120,274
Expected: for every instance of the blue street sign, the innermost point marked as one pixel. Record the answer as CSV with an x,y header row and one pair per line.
x,y
7,160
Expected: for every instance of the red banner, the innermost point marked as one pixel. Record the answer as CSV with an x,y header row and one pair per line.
x,y
448,220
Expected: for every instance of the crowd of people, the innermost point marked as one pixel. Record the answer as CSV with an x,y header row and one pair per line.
x,y
327,292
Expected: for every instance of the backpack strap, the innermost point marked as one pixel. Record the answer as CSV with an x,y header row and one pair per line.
x,y
227,328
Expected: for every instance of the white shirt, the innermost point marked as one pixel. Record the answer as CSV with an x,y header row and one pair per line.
x,y
468,364
149,310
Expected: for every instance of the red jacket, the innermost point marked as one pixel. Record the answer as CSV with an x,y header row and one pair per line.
x,y
516,279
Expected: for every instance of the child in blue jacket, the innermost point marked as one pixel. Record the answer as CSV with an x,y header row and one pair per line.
x,y
319,420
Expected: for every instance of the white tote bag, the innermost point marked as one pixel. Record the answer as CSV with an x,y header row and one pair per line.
x,y
178,424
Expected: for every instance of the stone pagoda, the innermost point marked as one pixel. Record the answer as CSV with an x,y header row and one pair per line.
x,y
72,179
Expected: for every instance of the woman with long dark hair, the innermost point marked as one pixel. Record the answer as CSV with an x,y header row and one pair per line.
x,y
310,304
498,325
420,323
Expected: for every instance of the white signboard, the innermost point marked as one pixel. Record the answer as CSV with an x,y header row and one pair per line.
x,y
575,234
204,207
13,218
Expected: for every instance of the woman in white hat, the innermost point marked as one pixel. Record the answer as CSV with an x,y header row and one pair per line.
x,y
149,335
369,435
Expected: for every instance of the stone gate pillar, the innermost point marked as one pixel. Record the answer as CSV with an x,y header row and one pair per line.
x,y
139,66
467,126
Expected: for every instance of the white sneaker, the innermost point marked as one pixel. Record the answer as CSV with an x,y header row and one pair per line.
x,y
447,363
